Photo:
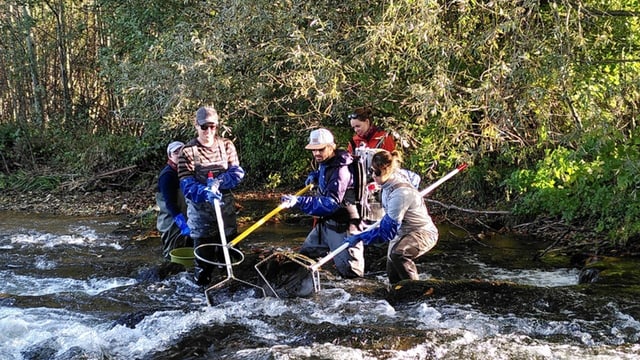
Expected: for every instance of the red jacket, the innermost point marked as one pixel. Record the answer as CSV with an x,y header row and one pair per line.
x,y
375,138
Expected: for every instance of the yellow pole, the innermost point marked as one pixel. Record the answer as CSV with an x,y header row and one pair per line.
x,y
265,218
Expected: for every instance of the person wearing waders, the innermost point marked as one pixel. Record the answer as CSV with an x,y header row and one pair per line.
x,y
209,153
406,224
171,221
334,206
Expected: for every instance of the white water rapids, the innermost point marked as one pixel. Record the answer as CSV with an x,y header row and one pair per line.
x,y
63,288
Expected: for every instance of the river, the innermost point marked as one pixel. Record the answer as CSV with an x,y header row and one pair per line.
x,y
80,288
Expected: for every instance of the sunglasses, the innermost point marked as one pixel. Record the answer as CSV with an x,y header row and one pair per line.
x,y
208,126
353,116
374,171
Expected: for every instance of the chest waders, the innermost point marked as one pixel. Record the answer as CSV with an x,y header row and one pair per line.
x,y
204,214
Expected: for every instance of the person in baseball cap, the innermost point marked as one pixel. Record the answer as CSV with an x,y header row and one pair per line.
x,y
174,147
319,139
209,168
171,221
333,206
207,115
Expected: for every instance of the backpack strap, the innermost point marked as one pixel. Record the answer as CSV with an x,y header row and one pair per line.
x,y
382,139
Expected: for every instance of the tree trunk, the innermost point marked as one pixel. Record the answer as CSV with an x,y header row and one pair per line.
x,y
38,91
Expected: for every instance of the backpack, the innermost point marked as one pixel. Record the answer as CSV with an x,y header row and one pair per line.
x,y
368,205
367,193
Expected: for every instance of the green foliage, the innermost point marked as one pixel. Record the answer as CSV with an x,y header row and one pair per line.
x,y
25,181
540,98
597,184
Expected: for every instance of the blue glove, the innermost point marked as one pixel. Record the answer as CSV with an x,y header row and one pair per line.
x,y
288,201
312,178
213,190
353,239
387,230
182,224
230,178
193,190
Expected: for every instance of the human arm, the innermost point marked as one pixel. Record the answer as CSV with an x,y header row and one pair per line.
x,y
385,232
331,194
312,178
193,190
230,178
388,143
313,205
168,185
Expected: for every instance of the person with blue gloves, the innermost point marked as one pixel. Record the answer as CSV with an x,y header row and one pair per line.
x,y
334,206
208,169
171,221
406,224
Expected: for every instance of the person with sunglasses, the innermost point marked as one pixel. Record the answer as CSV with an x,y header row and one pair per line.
x,y
207,154
367,134
406,224
334,206
368,140
171,221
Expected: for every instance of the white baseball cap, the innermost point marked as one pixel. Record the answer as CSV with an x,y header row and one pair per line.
x,y
176,145
319,139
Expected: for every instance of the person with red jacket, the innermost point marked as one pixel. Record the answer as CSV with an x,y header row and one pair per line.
x,y
367,140
367,133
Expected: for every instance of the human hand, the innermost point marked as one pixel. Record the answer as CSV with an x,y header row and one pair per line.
x,y
353,239
312,178
182,224
213,194
288,201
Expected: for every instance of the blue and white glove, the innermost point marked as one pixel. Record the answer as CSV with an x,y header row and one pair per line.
x,y
213,190
288,201
312,178
182,224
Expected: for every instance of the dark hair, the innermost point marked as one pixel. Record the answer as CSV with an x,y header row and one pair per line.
x,y
362,114
386,161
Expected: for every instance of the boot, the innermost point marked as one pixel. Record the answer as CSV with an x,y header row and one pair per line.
x,y
202,270
201,275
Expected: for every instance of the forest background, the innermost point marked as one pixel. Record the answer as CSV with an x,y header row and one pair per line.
x,y
540,98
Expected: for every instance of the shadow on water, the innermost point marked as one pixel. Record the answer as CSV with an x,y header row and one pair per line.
x,y
76,288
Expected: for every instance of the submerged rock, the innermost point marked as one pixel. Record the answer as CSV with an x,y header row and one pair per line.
x,y
159,272
611,271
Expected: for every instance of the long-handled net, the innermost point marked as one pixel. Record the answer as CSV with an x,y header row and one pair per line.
x,y
232,287
289,274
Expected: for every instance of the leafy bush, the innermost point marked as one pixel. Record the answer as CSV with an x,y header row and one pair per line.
x,y
597,185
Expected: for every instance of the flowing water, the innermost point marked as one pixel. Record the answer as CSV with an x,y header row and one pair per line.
x,y
77,288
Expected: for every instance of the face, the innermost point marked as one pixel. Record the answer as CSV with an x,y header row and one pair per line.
x,y
380,176
360,126
323,154
206,133
175,156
